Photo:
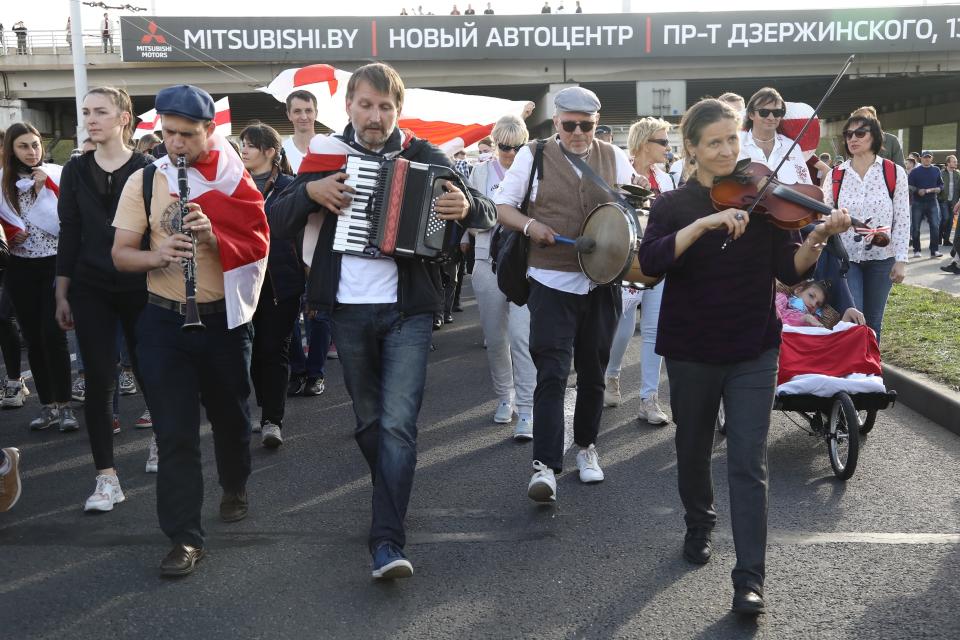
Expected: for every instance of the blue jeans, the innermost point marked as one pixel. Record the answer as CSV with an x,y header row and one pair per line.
x,y
313,364
870,285
181,371
384,359
929,209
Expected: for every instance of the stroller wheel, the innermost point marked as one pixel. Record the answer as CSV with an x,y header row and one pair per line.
x,y
867,419
843,436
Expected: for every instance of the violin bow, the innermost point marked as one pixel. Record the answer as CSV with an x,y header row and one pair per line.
x,y
803,130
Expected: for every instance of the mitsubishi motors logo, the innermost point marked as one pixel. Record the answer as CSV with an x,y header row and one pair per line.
x,y
153,36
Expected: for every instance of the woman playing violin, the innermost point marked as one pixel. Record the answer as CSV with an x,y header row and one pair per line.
x,y
720,336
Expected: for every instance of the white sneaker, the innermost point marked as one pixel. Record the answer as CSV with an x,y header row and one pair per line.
x,y
916,254
524,428
589,465
271,438
611,394
651,412
106,494
543,484
504,413
13,393
153,457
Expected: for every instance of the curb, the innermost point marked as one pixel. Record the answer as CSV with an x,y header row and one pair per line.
x,y
928,398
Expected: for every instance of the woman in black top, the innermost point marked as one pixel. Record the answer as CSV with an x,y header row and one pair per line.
x,y
720,335
92,296
279,305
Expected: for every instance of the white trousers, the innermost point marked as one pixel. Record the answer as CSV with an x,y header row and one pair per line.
x,y
650,362
506,329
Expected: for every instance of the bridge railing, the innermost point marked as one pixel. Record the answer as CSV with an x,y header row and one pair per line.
x,y
55,42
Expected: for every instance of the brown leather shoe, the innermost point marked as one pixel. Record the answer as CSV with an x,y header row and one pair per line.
x,y
233,506
181,561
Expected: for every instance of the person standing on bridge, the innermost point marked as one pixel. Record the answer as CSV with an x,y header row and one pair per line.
x,y
571,319
382,308
106,33
729,347
183,369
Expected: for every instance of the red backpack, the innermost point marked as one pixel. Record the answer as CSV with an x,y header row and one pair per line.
x,y
889,176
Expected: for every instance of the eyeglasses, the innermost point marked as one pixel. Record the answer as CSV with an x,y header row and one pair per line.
x,y
571,125
507,148
859,132
663,142
776,113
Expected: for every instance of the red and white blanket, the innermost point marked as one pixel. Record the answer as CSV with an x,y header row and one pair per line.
x,y
43,213
849,351
229,197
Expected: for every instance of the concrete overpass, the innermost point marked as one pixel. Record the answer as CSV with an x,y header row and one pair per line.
x,y
911,85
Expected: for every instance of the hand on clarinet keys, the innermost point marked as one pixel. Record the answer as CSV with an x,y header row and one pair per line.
x,y
453,205
197,223
173,249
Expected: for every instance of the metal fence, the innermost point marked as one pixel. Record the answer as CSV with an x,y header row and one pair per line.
x,y
56,43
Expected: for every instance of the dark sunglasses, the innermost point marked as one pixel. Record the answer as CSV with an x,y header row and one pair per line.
x,y
505,147
859,132
776,113
663,142
571,125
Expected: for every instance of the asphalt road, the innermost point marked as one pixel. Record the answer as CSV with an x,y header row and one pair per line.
x,y
875,557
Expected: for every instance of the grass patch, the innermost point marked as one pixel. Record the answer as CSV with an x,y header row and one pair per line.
x,y
921,332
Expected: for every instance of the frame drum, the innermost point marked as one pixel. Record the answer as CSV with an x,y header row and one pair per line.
x,y
614,259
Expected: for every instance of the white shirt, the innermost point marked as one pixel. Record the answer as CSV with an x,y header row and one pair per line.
x,y
367,280
294,155
511,192
868,197
793,170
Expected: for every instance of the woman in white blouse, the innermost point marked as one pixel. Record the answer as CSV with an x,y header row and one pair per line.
x,y
647,144
28,211
864,193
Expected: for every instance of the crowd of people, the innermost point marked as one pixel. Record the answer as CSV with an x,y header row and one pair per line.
x,y
98,247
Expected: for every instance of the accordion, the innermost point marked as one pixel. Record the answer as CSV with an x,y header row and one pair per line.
x,y
392,210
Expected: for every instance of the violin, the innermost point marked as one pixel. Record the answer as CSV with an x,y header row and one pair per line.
x,y
754,187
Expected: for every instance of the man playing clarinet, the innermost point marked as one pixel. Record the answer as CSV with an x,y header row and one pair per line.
x,y
382,308
210,365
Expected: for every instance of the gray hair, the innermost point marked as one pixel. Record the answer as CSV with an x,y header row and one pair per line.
x,y
510,130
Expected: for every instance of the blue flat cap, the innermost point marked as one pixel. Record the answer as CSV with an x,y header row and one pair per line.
x,y
186,101
577,99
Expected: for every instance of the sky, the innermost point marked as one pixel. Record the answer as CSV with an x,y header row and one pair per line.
x,y
52,14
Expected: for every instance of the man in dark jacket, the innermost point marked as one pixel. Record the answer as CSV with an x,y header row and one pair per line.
x,y
382,308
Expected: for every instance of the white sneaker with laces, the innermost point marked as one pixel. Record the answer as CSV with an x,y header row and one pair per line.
x,y
917,254
651,412
107,494
611,394
271,438
588,462
12,394
504,413
524,428
153,457
543,484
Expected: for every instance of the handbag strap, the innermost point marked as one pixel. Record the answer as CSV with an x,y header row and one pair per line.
x,y
587,171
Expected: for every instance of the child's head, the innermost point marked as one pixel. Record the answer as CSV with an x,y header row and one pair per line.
x,y
813,294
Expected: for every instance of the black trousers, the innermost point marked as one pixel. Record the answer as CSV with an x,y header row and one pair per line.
x,y
270,361
9,337
30,282
565,326
181,371
96,314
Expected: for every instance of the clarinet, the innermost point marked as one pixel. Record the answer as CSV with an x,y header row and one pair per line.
x,y
191,319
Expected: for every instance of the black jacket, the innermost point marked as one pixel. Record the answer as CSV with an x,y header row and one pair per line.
x,y
418,281
86,225
284,267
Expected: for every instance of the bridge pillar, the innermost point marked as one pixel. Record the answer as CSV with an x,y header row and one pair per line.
x,y
914,139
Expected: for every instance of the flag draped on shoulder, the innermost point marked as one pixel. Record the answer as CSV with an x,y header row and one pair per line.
x,y
43,213
150,120
229,197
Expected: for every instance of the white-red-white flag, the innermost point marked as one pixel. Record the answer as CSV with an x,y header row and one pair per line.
x,y
150,120
43,213
451,121
229,197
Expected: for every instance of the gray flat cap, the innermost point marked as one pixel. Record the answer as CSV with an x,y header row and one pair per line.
x,y
577,99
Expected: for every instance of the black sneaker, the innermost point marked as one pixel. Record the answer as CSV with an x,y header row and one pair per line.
x,y
298,383
951,268
314,387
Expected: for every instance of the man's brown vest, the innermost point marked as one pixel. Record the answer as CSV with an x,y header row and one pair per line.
x,y
564,200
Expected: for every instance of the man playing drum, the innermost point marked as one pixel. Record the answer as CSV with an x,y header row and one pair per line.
x,y
570,316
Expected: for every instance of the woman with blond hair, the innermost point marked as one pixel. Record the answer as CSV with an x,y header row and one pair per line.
x,y
506,327
647,144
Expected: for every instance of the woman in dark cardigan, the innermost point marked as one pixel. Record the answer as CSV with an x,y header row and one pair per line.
x,y
720,335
